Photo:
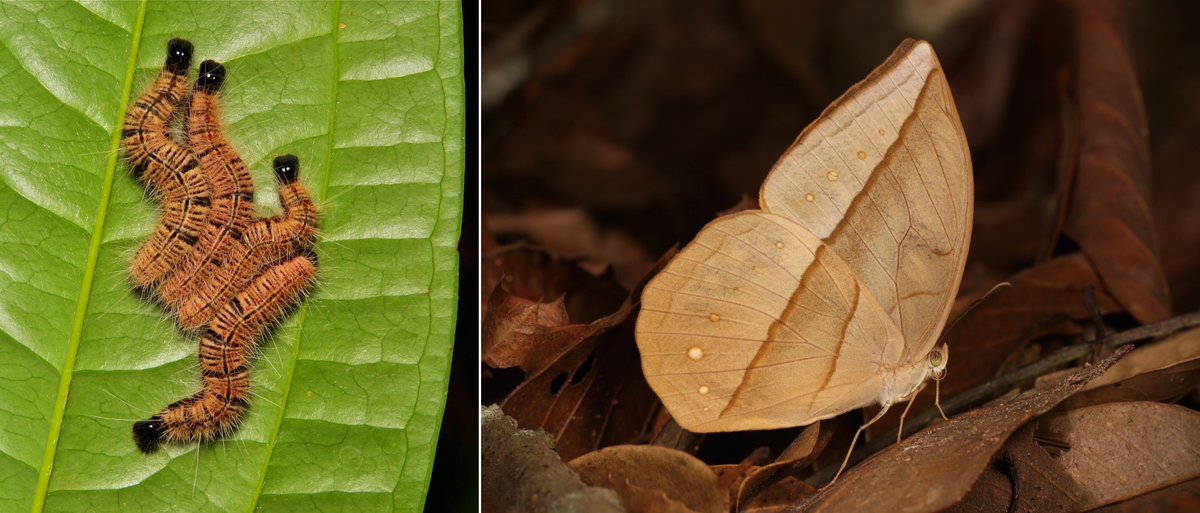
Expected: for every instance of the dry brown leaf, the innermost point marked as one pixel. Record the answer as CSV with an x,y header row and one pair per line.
x,y
572,233
591,396
1179,348
1180,498
1036,305
730,477
521,473
531,335
536,274
761,480
1122,450
935,468
779,496
1099,455
653,479
991,493
1163,371
1167,385
1109,211
519,330
523,331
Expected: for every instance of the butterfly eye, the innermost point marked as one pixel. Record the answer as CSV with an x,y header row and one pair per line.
x,y
937,361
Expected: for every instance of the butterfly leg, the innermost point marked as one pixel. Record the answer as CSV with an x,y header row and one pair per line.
x,y
855,440
937,397
911,398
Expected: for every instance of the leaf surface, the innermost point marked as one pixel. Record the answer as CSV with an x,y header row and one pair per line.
x,y
349,392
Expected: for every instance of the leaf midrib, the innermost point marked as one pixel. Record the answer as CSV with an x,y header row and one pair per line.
x,y
89,272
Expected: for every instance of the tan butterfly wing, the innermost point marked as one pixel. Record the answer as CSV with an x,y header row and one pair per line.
x,y
889,177
757,324
811,307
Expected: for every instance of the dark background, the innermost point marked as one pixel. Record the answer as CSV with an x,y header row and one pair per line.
x,y
613,130
454,486
639,121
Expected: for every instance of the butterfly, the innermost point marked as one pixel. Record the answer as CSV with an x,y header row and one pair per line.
x,y
832,295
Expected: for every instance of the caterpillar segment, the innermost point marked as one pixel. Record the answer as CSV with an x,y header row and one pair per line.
x,y
266,242
168,170
225,348
230,183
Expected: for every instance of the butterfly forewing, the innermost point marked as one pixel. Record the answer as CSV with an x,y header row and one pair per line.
x,y
884,178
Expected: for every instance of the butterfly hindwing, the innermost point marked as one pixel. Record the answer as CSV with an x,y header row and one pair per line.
x,y
758,324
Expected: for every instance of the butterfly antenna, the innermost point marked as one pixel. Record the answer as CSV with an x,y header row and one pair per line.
x,y
977,302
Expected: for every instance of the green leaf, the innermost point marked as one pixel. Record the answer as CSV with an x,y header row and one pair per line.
x,y
349,392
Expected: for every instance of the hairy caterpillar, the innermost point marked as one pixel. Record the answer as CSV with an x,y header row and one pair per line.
x,y
240,319
265,242
218,408
209,257
168,170
232,190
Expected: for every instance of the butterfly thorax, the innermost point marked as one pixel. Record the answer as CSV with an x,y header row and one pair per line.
x,y
900,382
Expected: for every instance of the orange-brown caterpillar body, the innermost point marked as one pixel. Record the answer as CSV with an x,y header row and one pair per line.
x,y
232,190
168,170
265,242
144,133
208,256
218,408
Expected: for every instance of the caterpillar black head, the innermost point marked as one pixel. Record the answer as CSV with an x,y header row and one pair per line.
x,y
212,75
287,167
179,56
148,434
